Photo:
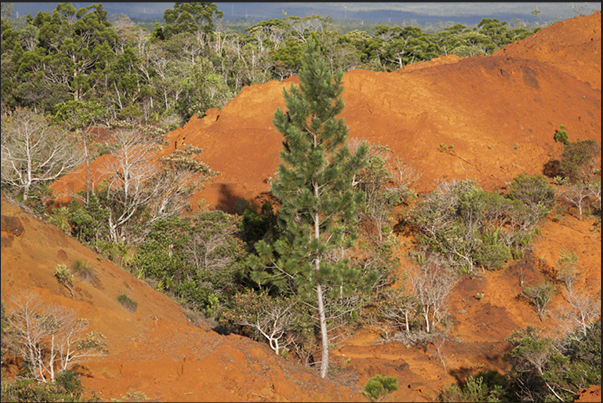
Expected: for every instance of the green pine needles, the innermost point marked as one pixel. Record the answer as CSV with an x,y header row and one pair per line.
x,y
319,202
379,386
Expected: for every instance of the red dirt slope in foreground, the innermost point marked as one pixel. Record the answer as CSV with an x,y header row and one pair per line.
x,y
155,350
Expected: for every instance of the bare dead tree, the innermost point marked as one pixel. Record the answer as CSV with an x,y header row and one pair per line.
x,y
438,340
582,310
128,174
577,194
34,152
399,309
27,326
50,337
404,174
135,180
271,317
302,27
431,287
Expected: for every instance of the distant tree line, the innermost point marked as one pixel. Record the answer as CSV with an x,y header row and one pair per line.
x,y
194,62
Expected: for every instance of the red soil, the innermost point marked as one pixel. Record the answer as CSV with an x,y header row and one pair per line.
x,y
155,350
499,112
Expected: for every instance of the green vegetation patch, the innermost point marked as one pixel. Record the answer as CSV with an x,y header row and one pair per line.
x,y
127,302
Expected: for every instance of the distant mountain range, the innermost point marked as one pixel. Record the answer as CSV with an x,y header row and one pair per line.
x,y
466,13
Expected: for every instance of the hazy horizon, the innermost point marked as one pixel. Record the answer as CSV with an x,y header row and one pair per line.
x,y
467,13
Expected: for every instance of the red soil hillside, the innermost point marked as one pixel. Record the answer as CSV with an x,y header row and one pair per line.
x,y
484,106
500,114
573,46
155,350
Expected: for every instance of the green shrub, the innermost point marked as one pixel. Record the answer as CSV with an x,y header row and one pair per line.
x,y
587,348
493,256
89,222
120,253
66,388
553,370
378,386
562,135
65,277
540,296
485,386
84,271
70,382
532,191
60,219
566,267
127,303
578,160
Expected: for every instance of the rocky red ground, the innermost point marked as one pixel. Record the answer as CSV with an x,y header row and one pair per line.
x,y
500,114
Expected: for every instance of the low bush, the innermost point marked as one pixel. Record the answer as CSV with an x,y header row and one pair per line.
x,y
378,386
63,274
127,303
561,135
493,256
532,191
485,386
66,388
540,295
84,271
578,160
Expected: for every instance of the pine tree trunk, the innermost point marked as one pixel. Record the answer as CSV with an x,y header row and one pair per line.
x,y
324,362
87,170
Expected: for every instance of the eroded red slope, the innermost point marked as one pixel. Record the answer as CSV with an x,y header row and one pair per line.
x,y
499,113
155,350
572,45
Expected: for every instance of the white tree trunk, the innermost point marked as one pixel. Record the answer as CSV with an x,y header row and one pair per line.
x,y
324,362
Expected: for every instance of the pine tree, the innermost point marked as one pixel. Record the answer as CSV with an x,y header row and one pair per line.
x,y
319,202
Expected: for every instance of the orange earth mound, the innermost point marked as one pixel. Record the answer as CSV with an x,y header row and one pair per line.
x,y
500,114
